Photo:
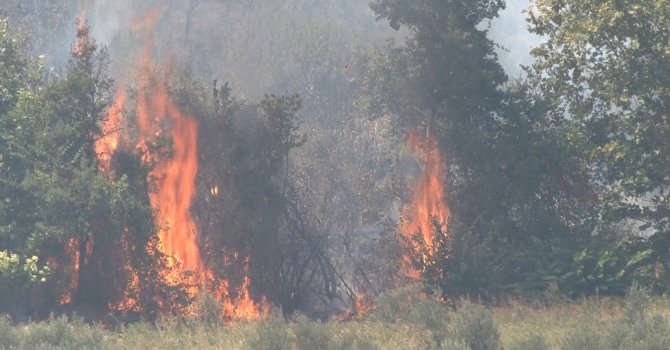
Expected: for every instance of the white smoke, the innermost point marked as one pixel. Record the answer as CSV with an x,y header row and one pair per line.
x,y
510,31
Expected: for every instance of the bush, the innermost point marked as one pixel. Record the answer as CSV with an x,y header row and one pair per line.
x,y
474,325
651,334
637,329
411,306
61,333
8,337
271,334
585,336
454,344
533,341
208,309
313,335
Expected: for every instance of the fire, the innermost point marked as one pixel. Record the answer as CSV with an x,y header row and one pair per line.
x,y
108,143
363,304
72,250
83,45
243,307
428,201
173,177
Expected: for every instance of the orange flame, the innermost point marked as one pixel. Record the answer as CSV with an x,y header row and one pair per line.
x,y
428,201
72,250
108,143
174,178
83,45
362,306
243,307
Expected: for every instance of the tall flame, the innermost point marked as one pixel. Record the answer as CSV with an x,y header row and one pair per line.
x,y
428,200
174,178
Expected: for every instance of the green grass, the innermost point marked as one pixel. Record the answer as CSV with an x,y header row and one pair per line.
x,y
404,320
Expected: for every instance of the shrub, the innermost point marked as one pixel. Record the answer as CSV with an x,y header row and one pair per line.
x,y
395,306
637,299
651,334
313,335
637,329
208,309
474,325
586,335
454,344
271,334
61,333
533,341
412,306
8,337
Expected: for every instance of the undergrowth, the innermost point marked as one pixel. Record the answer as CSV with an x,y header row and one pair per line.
x,y
402,320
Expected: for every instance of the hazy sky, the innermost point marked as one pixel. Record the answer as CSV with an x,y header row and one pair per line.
x,y
509,30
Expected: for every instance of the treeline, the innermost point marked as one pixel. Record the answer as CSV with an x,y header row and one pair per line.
x,y
557,181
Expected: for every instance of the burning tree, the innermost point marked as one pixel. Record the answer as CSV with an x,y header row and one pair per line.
x,y
424,223
165,142
247,206
117,270
95,230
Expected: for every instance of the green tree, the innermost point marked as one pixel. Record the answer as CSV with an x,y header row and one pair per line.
x,y
604,67
16,78
513,176
445,81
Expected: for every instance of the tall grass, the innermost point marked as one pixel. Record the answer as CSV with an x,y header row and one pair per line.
x,y
403,320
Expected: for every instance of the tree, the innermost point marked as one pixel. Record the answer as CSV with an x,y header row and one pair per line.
x,y
282,127
16,77
604,67
95,230
513,176
444,81
452,64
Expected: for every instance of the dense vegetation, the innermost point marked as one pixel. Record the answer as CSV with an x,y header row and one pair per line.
x,y
556,183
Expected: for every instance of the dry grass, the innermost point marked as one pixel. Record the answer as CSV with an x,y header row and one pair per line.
x,y
637,322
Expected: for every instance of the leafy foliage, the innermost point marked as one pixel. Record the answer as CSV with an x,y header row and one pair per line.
x,y
603,70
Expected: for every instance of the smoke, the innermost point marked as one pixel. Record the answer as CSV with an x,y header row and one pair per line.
x,y
109,18
259,47
510,31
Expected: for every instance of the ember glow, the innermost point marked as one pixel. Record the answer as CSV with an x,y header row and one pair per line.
x,y
428,204
363,304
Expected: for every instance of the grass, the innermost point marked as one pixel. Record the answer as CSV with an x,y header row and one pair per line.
x,y
404,320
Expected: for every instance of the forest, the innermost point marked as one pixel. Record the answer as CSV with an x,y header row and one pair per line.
x,y
335,174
